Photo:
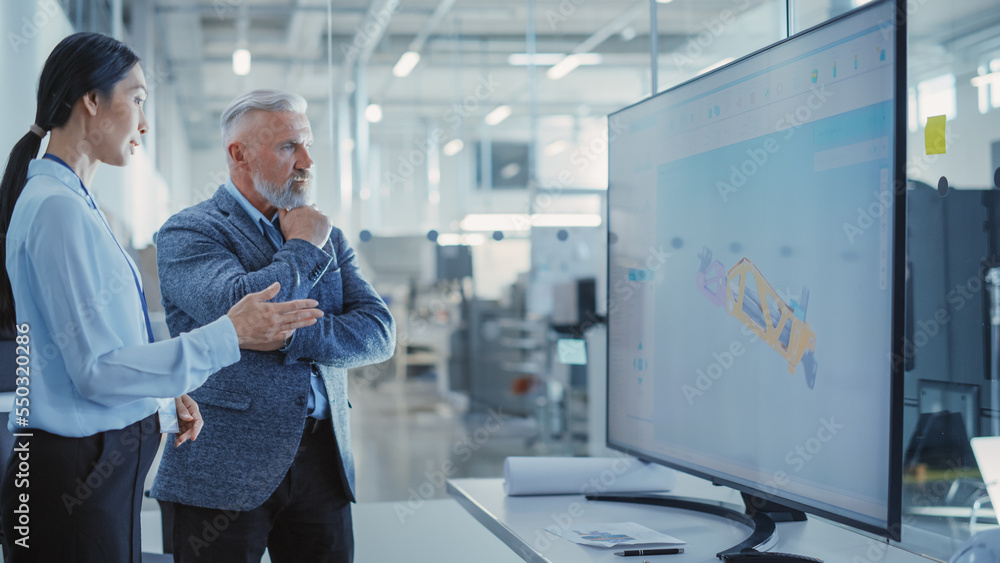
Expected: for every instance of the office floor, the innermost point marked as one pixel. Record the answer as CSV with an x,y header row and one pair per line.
x,y
406,437
407,441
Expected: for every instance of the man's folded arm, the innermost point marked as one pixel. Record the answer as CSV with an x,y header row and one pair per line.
x,y
363,334
203,277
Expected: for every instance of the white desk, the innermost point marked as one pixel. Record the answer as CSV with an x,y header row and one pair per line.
x,y
520,521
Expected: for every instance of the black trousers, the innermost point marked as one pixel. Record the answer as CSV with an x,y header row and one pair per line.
x,y
84,495
307,518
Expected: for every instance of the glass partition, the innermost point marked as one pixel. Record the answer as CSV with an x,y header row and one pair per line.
x,y
951,387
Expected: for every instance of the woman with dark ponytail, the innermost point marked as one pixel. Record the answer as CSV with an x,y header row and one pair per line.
x,y
91,381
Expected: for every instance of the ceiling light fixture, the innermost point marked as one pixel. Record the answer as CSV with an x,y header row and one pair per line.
x,y
453,147
539,59
519,222
570,62
984,79
241,62
373,113
406,64
455,239
564,67
499,114
565,220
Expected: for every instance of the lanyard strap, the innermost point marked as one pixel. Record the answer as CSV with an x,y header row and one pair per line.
x,y
135,277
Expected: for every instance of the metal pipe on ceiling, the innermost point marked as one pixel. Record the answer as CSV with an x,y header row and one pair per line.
x,y
531,48
439,13
223,10
613,27
418,42
654,48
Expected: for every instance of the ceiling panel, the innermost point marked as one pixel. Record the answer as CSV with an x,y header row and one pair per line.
x,y
289,40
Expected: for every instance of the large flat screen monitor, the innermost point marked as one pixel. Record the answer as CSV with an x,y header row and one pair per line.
x,y
756,272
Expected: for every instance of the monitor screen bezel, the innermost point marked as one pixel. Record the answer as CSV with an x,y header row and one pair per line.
x,y
893,528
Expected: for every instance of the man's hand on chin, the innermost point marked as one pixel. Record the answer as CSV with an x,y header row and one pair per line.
x,y
306,223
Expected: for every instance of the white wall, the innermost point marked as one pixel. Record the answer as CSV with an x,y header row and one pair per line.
x,y
174,153
30,30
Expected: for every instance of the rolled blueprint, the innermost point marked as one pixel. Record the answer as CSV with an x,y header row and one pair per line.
x,y
582,475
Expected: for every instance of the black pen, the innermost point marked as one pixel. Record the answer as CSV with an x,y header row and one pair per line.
x,y
667,551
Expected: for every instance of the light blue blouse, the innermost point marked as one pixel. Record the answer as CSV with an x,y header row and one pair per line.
x,y
91,366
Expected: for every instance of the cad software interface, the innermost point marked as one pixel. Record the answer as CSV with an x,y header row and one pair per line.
x,y
750,288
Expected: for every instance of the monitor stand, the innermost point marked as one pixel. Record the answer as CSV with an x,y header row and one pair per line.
x,y
760,517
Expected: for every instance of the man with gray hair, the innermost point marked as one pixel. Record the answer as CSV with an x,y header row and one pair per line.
x,y
273,467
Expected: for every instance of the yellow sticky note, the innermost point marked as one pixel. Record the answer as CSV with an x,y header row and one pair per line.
x,y
934,135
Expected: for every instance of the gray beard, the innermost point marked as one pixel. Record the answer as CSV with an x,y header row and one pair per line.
x,y
283,197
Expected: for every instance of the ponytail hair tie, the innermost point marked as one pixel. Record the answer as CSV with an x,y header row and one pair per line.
x,y
38,131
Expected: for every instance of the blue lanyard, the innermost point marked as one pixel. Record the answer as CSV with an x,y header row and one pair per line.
x,y
135,277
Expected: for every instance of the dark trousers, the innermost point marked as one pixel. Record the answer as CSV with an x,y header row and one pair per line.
x,y
83,495
307,518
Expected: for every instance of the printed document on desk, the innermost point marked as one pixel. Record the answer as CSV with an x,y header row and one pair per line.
x,y
613,535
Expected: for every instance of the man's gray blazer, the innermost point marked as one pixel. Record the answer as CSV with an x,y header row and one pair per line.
x,y
209,257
